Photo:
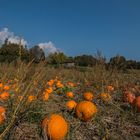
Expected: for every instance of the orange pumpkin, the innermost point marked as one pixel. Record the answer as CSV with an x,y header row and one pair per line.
x,y
46,97
1,85
49,90
70,94
71,84
71,104
88,96
31,98
59,84
110,88
4,96
57,80
85,110
6,87
129,97
55,128
51,82
105,97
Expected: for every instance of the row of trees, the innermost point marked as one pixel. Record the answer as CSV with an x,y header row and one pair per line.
x,y
12,52
118,62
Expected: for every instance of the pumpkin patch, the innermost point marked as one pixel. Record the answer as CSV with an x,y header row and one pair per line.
x,y
58,105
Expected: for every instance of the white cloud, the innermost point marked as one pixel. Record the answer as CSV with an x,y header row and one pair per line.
x,y
6,34
48,47
17,40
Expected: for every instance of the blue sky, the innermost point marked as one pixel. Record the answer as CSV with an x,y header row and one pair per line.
x,y
76,26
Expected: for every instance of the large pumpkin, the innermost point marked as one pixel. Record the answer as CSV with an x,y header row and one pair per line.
x,y
85,110
55,128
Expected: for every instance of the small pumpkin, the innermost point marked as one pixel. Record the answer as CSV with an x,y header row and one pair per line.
x,y
88,96
71,104
110,88
51,82
71,84
105,97
55,128
4,96
85,110
46,97
31,98
6,87
69,94
59,85
49,90
129,97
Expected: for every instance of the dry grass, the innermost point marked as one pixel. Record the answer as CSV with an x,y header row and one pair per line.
x,y
114,120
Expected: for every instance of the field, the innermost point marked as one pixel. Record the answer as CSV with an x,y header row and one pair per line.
x,y
24,87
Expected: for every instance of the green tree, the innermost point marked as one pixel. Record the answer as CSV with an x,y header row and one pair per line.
x,y
118,62
132,64
57,58
85,60
36,54
11,52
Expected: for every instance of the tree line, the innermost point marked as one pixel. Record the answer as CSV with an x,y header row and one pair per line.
x,y
10,52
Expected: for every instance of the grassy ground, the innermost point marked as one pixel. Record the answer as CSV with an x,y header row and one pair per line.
x,y
114,120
